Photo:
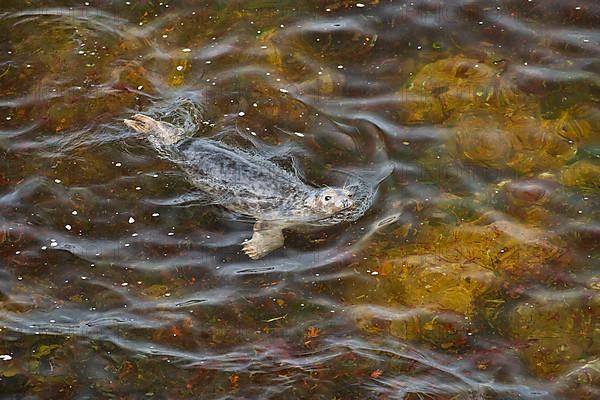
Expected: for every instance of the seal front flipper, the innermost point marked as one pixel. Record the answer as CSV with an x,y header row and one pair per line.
x,y
266,238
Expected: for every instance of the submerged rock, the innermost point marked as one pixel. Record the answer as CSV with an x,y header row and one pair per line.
x,y
430,281
529,191
275,105
520,141
506,248
582,174
495,125
532,201
551,329
583,381
293,52
580,124
481,139
443,330
453,85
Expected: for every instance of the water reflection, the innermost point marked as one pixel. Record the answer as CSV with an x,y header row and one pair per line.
x,y
472,274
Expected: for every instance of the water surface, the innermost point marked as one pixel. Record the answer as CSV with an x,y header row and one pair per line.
x,y
474,275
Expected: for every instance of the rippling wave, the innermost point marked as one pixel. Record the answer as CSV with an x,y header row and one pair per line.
x,y
473,273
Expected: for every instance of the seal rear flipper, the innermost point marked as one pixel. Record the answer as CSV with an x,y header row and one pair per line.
x,y
163,132
266,238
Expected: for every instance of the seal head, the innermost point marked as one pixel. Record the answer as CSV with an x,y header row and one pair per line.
x,y
329,201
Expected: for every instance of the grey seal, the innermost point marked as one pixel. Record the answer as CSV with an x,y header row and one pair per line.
x,y
253,186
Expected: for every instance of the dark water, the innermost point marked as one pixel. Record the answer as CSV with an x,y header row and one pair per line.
x,y
474,275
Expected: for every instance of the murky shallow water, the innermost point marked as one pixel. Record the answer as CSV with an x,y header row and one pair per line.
x,y
474,274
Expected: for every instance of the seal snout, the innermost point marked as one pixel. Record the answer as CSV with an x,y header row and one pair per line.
x,y
344,202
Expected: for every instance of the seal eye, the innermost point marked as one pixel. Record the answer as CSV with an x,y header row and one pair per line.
x,y
327,198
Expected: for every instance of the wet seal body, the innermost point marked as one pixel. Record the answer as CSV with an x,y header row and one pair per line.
x,y
253,186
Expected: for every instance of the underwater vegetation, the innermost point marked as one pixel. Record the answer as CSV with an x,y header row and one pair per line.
x,y
473,275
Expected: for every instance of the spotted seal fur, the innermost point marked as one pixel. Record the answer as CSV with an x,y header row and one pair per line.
x,y
253,186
